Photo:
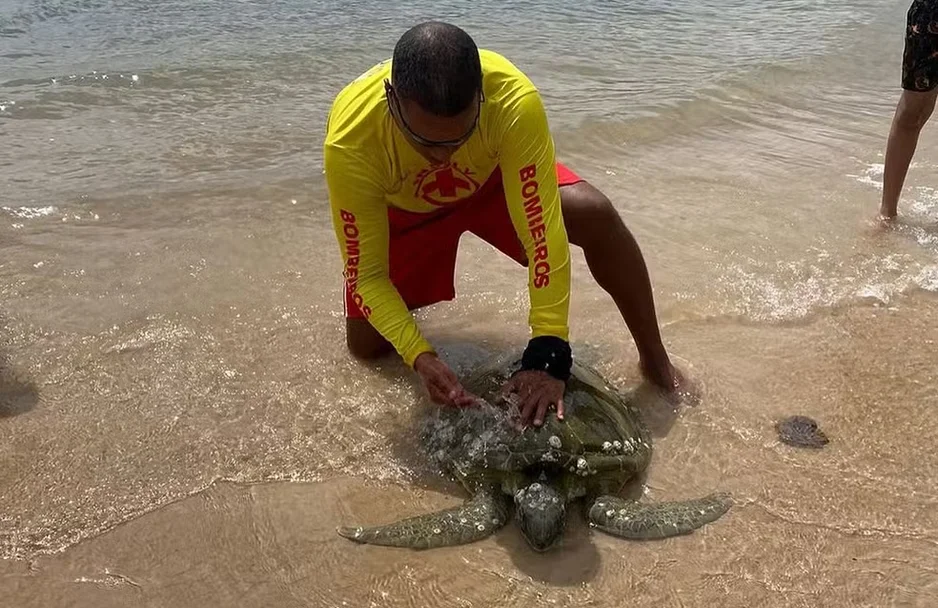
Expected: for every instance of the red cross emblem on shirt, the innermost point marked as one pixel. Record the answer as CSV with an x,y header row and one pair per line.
x,y
446,185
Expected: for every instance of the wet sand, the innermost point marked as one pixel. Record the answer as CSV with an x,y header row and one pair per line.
x,y
853,524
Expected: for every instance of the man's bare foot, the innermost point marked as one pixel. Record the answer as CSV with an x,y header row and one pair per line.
x,y
661,407
880,225
886,214
673,385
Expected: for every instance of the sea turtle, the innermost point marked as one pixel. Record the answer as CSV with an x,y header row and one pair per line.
x,y
599,446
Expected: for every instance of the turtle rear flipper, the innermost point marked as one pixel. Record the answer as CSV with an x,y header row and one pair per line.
x,y
634,520
477,518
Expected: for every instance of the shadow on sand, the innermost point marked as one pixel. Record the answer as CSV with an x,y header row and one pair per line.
x,y
18,395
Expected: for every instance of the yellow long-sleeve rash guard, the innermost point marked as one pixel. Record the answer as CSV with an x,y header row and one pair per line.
x,y
369,165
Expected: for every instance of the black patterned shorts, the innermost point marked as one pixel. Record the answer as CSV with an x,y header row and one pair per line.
x,y
920,57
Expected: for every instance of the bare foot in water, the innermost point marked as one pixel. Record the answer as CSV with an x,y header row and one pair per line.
x,y
675,386
881,224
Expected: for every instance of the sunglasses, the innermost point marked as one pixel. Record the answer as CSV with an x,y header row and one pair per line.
x,y
450,143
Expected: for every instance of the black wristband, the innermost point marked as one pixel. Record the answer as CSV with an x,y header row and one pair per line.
x,y
548,354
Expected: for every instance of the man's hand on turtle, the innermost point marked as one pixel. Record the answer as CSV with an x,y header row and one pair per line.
x,y
441,383
538,391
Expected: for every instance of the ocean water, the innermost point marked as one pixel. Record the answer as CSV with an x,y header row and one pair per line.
x,y
173,333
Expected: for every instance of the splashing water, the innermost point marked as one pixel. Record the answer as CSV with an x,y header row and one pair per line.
x,y
468,435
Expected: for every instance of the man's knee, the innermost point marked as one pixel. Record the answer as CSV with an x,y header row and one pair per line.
x,y
587,212
915,109
364,341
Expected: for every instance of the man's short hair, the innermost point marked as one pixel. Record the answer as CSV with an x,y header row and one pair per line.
x,y
437,66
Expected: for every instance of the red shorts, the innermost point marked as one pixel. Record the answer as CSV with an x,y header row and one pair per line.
x,y
422,249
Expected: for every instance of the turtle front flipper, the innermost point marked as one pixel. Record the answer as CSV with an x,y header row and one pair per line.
x,y
477,518
633,520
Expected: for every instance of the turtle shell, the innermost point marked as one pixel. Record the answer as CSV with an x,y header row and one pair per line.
x,y
601,433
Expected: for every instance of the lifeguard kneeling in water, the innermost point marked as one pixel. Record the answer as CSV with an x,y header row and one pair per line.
x,y
445,138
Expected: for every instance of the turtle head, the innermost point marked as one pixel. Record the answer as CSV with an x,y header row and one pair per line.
x,y
542,514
